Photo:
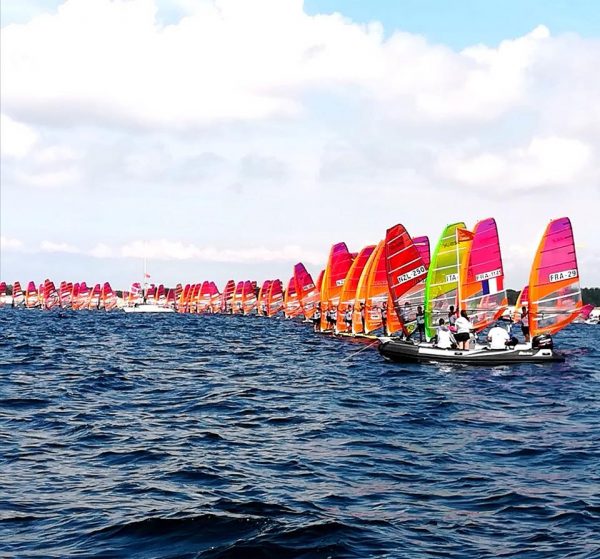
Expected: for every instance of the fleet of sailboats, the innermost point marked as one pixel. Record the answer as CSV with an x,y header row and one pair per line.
x,y
383,291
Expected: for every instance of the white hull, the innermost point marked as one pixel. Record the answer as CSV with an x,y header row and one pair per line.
x,y
148,308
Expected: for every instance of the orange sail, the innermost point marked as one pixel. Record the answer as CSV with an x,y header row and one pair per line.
x,y
360,314
376,290
263,296
308,293
348,294
249,301
554,292
338,265
275,298
291,302
238,297
227,297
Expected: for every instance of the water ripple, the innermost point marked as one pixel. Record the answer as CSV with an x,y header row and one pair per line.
x,y
238,437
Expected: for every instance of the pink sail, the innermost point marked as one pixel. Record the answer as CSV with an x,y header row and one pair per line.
x,y
338,265
249,301
18,295
108,299
308,292
227,297
275,298
482,292
32,299
263,298
51,297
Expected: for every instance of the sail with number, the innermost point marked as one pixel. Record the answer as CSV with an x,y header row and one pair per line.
x,y
291,302
441,285
348,294
275,298
338,264
308,292
249,301
554,291
407,262
482,292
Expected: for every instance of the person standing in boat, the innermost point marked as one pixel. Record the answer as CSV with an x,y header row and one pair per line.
x,y
445,338
420,324
384,319
316,319
525,323
333,322
452,316
362,316
348,317
463,330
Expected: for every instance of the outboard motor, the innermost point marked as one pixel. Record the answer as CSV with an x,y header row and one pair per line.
x,y
543,341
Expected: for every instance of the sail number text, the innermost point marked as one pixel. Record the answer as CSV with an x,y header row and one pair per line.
x,y
420,271
559,276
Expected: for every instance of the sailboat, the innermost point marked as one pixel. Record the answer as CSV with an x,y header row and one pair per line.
x,y
145,305
554,299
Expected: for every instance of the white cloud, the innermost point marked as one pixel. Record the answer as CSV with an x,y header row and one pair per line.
x,y
50,246
101,250
545,161
16,138
174,250
8,243
304,129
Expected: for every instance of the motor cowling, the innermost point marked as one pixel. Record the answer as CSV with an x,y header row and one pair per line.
x,y
543,341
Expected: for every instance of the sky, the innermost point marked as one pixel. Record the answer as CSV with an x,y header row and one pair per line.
x,y
233,138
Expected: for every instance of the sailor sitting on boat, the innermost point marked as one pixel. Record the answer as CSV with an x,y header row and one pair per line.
x,y
498,337
445,338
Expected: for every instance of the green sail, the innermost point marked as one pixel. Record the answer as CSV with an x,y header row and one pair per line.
x,y
441,285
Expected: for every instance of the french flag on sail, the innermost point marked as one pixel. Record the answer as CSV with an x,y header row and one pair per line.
x,y
492,285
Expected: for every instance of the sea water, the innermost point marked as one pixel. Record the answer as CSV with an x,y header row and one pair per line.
x,y
226,436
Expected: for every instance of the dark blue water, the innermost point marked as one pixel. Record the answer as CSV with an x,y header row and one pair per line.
x,y
213,437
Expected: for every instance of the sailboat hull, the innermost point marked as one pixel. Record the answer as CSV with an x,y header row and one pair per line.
x,y
148,308
407,352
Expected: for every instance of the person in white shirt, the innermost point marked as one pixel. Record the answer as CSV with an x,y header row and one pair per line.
x,y
463,330
445,338
498,337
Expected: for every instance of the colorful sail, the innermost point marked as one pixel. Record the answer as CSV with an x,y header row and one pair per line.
x,y
249,300
360,314
3,291
238,294
31,296
291,301
275,298
407,262
338,265
307,290
376,290
18,295
227,297
263,296
554,292
108,297
348,294
482,292
51,297
441,285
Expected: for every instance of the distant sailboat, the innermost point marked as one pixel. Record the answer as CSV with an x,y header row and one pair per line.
x,y
148,304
